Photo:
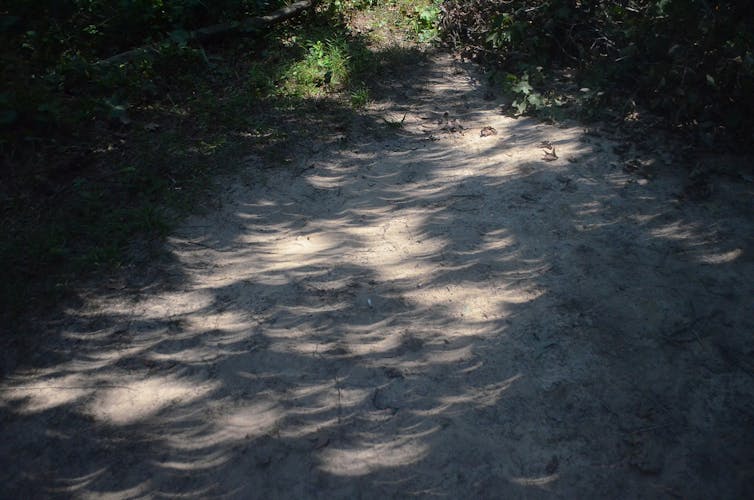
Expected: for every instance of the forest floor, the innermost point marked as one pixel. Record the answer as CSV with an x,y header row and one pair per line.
x,y
434,300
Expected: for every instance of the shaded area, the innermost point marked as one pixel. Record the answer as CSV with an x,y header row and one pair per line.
x,y
414,310
130,149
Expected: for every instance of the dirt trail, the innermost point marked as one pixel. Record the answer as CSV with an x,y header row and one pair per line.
x,y
425,311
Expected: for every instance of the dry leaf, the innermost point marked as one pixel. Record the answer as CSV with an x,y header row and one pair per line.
x,y
488,131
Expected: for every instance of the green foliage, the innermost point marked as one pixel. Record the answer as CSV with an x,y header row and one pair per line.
x,y
312,63
527,99
689,60
425,20
418,19
68,205
326,64
48,46
349,5
360,97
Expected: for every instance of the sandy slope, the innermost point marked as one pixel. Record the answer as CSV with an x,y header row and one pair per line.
x,y
424,312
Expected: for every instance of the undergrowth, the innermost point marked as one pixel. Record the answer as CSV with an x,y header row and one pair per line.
x,y
99,160
690,62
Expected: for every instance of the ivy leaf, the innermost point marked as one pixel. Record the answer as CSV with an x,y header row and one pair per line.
x,y
522,86
520,106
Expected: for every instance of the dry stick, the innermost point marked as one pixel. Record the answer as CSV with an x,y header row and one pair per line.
x,y
246,27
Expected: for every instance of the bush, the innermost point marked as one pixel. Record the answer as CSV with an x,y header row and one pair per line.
x,y
690,60
48,47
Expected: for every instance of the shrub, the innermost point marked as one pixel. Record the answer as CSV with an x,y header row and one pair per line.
x,y
690,60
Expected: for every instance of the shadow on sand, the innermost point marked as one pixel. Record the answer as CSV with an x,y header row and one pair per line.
x,y
412,311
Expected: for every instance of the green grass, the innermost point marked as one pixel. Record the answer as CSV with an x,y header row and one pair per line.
x,y
360,97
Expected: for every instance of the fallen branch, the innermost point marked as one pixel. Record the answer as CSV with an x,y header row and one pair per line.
x,y
247,27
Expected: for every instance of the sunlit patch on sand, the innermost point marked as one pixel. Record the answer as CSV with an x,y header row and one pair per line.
x,y
50,393
206,462
535,481
133,401
483,396
722,257
372,457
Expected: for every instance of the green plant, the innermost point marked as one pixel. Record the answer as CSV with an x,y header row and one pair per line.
x,y
691,61
425,21
324,65
261,78
526,98
360,97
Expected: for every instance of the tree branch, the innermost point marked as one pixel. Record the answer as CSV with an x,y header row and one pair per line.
x,y
247,27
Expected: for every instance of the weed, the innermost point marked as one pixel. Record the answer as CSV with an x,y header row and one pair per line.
x,y
526,98
425,20
360,97
689,61
325,65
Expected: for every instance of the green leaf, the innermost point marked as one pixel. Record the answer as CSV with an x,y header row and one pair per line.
x,y
522,86
536,100
520,106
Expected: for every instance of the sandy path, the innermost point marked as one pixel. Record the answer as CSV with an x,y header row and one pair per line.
x,y
428,312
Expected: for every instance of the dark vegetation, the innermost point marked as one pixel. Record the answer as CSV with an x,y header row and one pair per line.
x,y
690,62
86,162
98,160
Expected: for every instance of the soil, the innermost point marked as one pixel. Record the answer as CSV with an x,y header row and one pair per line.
x,y
439,301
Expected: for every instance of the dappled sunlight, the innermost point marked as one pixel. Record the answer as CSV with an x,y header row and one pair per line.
x,y
208,462
303,246
474,397
373,343
133,401
691,234
249,421
448,356
74,484
141,489
474,303
540,481
721,257
370,456
701,243
592,208
47,393
410,308
332,181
